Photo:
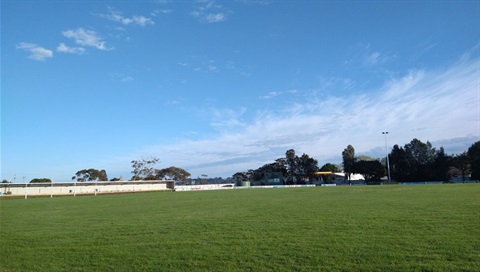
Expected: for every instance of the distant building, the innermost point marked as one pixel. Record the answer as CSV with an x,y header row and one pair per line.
x,y
273,178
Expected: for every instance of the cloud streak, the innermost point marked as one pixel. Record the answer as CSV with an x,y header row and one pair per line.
x,y
117,16
37,52
63,48
428,105
209,12
85,37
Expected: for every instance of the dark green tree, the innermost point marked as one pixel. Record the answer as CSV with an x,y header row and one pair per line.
x,y
348,156
291,164
440,166
371,170
90,175
307,167
474,158
291,169
241,176
41,180
276,167
462,163
329,167
421,157
172,173
419,161
399,165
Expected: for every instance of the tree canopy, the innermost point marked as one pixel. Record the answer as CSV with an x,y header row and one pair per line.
x,y
90,175
371,170
291,169
462,163
329,167
41,180
418,161
172,173
474,158
143,169
348,156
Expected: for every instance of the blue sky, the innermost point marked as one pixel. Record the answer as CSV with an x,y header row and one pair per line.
x,y
218,87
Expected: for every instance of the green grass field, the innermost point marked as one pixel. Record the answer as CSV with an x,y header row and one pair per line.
x,y
368,228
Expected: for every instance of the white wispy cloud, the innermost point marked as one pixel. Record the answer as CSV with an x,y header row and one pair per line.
x,y
372,58
209,11
63,48
215,17
127,79
117,16
375,58
277,93
270,95
424,104
85,37
36,52
225,119
163,11
121,77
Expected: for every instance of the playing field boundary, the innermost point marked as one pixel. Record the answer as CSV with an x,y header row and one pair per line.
x,y
84,188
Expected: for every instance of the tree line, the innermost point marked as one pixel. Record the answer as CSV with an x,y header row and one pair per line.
x,y
291,169
143,169
418,161
415,161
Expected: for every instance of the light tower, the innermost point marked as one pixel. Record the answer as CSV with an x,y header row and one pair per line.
x,y
386,152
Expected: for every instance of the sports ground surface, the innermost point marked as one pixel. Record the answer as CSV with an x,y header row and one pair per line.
x,y
348,228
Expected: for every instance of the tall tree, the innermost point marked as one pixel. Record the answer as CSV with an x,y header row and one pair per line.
x,y
441,164
307,168
291,163
143,169
348,156
474,157
399,165
420,158
298,169
461,162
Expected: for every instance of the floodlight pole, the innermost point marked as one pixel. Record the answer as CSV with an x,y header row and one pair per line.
x,y
386,152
